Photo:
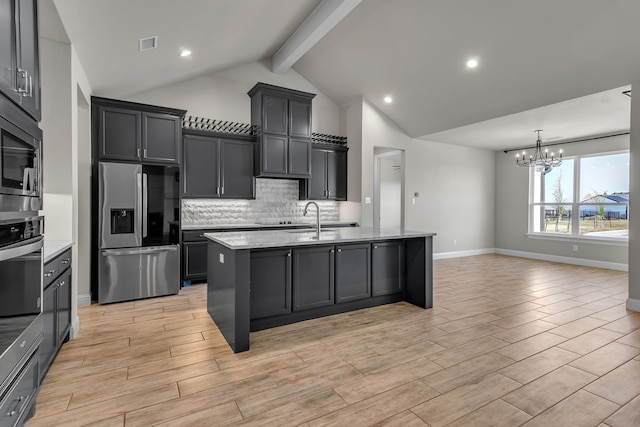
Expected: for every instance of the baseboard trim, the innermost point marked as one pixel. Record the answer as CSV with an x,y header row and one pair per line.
x,y
633,304
84,300
460,254
75,328
565,260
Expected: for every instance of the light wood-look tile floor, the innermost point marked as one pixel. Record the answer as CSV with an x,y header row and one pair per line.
x,y
510,342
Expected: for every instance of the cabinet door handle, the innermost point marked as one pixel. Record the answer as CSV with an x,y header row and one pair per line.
x,y
144,153
339,250
12,413
328,193
288,254
222,190
50,273
22,73
375,246
29,92
217,191
61,284
332,251
65,261
137,152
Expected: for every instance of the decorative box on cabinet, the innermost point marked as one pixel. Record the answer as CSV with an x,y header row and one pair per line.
x,y
128,131
56,308
283,119
19,57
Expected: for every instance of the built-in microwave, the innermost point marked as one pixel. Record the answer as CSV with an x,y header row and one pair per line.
x,y
20,169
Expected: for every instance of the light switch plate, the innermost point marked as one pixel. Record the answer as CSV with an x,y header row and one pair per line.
x,y
367,200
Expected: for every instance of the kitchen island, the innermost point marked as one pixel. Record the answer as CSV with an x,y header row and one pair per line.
x,y
262,279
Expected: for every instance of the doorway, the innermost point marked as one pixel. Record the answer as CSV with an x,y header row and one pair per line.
x,y
388,203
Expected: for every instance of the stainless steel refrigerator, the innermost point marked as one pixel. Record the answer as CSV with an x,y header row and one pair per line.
x,y
139,254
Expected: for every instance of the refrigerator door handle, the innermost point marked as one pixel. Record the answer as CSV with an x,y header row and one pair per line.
x,y
142,251
145,206
138,228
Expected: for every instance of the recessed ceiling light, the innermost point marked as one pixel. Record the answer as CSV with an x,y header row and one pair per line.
x,y
472,62
185,52
388,99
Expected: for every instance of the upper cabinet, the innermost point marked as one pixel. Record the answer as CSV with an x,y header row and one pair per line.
x,y
127,131
19,60
328,174
215,167
283,119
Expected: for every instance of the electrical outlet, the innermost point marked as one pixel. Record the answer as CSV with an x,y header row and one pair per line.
x,y
455,242
413,200
221,258
575,248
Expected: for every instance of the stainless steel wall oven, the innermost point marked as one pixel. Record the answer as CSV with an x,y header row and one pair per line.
x,y
21,332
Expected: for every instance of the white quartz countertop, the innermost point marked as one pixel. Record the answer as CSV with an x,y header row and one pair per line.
x,y
255,225
53,248
283,238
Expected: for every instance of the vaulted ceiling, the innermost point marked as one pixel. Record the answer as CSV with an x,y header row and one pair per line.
x,y
546,64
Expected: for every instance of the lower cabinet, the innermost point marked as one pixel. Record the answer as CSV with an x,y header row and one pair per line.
x,y
56,309
353,272
194,260
270,288
313,277
386,271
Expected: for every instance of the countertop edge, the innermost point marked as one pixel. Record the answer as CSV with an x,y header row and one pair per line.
x,y
291,242
53,248
274,226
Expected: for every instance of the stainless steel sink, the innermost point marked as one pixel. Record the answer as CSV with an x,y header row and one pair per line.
x,y
310,230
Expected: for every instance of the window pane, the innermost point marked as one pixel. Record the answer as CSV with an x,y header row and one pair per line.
x,y
604,220
558,184
605,179
552,219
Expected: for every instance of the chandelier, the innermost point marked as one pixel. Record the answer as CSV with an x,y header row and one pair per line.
x,y
541,160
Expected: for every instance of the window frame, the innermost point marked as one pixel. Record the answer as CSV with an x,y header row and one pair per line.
x,y
573,204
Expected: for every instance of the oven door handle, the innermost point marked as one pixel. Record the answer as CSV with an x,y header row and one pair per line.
x,y
18,251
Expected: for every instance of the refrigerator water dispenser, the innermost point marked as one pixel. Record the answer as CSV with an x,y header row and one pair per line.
x,y
122,221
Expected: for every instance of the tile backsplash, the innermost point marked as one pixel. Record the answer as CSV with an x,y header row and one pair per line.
x,y
276,200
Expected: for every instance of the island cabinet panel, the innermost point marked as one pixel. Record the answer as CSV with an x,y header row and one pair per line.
x,y
353,272
270,287
195,260
313,277
387,260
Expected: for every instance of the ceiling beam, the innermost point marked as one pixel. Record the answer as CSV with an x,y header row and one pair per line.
x,y
317,25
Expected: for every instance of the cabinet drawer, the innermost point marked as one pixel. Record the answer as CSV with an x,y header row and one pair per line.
x,y
194,236
55,267
20,397
50,271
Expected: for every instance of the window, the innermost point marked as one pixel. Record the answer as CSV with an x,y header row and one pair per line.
x,y
586,196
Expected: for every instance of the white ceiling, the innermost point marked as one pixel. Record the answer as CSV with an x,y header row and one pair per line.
x,y
545,64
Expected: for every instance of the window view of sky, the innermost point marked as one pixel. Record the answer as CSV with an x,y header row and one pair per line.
x,y
599,174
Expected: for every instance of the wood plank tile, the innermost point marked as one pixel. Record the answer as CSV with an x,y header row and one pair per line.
x,y
606,358
546,391
381,381
403,419
378,408
580,409
461,353
628,415
620,385
530,346
590,341
454,404
496,414
539,364
524,331
577,327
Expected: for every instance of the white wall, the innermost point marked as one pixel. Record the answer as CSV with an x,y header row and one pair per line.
x,y
512,198
456,185
223,95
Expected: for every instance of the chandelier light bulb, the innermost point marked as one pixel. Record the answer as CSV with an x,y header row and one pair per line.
x,y
540,159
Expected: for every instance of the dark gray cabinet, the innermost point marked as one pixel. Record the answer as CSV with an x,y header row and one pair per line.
x,y
387,273
217,168
56,308
313,277
19,58
328,174
194,260
353,272
283,118
128,131
270,288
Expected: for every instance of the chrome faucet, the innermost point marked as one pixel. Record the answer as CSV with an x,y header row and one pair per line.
x,y
306,208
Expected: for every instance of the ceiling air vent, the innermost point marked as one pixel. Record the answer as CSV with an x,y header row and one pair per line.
x,y
147,43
